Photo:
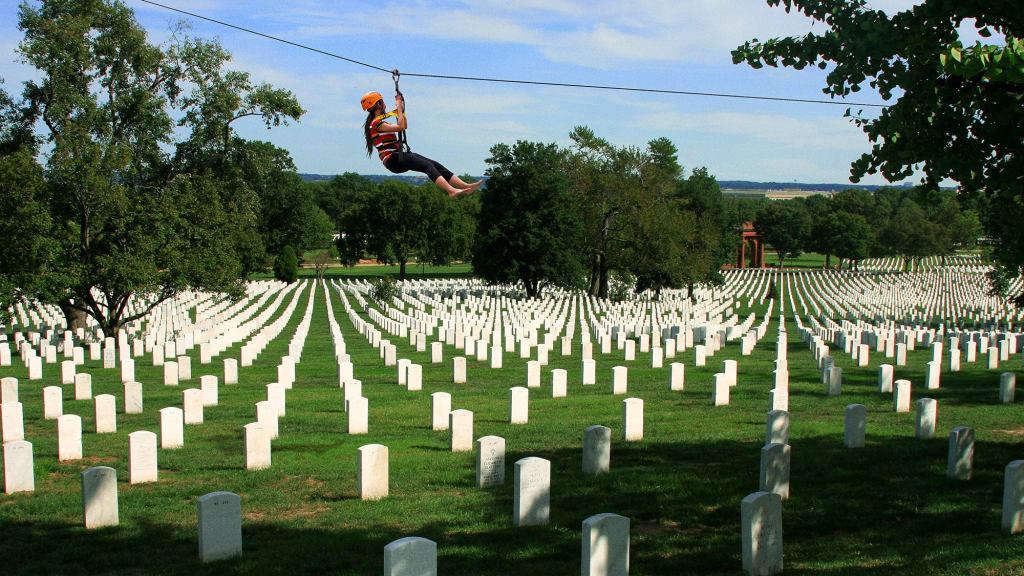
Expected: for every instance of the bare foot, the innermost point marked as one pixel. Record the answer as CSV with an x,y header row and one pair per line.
x,y
476,185
458,192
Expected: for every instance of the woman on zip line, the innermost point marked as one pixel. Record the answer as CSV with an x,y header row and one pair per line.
x,y
396,157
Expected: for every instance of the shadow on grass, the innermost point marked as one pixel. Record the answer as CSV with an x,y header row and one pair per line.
x,y
682,500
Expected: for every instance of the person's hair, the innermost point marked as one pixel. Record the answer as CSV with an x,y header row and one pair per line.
x,y
370,115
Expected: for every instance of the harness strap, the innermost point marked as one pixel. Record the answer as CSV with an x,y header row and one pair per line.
x,y
402,142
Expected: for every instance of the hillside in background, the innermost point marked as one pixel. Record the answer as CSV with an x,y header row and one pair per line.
x,y
729,187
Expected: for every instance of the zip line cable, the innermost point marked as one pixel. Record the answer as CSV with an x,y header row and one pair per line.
x,y
512,81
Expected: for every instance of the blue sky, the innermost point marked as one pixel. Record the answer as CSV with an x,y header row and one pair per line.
x,y
666,44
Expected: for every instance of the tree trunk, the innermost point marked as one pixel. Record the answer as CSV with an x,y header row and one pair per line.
x,y
595,276
401,269
689,293
74,317
828,261
603,291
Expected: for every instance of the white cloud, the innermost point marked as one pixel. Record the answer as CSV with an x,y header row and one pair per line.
x,y
777,130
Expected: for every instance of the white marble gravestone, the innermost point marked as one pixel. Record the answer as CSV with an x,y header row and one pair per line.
x,y
459,370
220,526
257,446
960,460
855,426
410,556
901,398
230,371
885,372
105,411
532,492
519,405
172,428
69,437
559,380
677,377
927,416
12,422
83,386
19,471
358,415
775,460
720,392
761,533
589,372
210,390
142,457
1013,498
1007,387
633,419
192,403
53,402
460,427
171,373
597,450
99,497
372,472
440,407
605,546
490,461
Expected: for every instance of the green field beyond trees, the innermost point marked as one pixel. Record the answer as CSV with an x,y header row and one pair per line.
x,y
887,508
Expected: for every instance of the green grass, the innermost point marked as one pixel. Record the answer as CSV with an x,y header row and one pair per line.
x,y
886,509
805,260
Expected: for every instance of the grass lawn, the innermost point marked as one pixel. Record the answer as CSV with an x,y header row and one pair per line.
x,y
885,509
413,271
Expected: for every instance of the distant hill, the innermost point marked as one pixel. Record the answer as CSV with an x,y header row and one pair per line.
x,y
726,185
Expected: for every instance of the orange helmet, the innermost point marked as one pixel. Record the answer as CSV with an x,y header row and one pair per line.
x,y
370,99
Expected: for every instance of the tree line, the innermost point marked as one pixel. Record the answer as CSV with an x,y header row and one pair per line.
x,y
855,224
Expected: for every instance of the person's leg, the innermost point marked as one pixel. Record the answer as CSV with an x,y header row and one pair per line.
x,y
440,175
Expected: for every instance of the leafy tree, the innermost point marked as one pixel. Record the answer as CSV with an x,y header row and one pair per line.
x,y
852,236
286,265
126,219
822,237
911,234
955,110
449,227
785,226
322,260
23,212
289,214
711,234
528,230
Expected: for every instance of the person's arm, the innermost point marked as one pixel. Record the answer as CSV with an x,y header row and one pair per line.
x,y
399,115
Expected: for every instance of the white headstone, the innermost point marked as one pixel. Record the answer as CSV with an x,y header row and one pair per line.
x,y
142,458
410,556
885,372
597,450
901,398
532,492
677,377
490,461
559,378
69,437
927,415
99,497
276,395
620,379
358,415
372,472
855,427
589,372
761,533
414,378
777,427
633,419
257,446
83,386
720,392
266,416
519,405
209,390
775,459
53,402
459,370
960,461
12,422
19,472
1007,387
460,425
192,404
220,526
440,407
9,390
1013,498
133,398
230,371
105,410
172,428
605,547
67,372
170,373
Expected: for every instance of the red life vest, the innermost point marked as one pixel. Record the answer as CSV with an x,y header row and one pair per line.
x,y
385,142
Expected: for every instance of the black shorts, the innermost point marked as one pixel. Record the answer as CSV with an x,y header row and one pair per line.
x,y
400,162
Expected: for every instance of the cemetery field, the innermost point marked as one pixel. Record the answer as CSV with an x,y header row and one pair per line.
x,y
885,508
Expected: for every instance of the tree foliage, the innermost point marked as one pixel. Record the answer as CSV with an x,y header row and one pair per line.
x,y
956,111
126,217
528,230
786,226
